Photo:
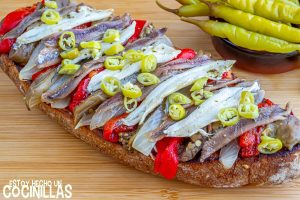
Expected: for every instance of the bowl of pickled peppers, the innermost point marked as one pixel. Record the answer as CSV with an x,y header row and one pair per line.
x,y
262,35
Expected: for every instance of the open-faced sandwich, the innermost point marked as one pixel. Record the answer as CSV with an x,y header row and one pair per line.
x,y
121,86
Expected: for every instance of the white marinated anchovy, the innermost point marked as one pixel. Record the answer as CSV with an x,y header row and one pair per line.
x,y
162,52
125,35
141,141
174,84
85,14
207,112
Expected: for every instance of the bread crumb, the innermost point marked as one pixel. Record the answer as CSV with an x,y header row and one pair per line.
x,y
246,166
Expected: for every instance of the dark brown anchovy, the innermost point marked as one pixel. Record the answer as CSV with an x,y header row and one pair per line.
x,y
142,42
114,106
157,134
36,16
225,136
23,53
67,88
223,84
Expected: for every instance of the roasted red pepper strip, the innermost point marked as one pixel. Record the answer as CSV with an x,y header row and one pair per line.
x,y
6,44
14,18
113,127
166,160
34,76
249,142
138,29
80,93
186,54
83,26
265,103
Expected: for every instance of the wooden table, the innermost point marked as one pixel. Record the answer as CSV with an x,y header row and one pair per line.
x,y
33,147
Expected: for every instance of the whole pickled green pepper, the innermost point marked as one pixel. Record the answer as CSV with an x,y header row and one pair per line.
x,y
192,10
269,9
289,2
243,37
255,23
188,2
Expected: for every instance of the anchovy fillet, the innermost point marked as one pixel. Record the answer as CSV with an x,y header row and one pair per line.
x,y
208,111
171,85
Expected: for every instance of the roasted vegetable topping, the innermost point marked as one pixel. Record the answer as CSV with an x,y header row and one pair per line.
x,y
113,127
67,41
229,116
148,79
166,160
50,17
186,54
111,35
110,86
114,63
177,112
178,98
149,64
269,145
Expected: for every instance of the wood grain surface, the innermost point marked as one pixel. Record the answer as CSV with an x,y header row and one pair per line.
x,y
33,147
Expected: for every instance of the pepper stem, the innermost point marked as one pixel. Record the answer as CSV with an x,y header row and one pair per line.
x,y
189,20
175,11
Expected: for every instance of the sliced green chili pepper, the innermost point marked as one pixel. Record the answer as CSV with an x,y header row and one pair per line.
x,y
50,17
192,10
199,84
67,41
130,104
68,67
110,86
91,45
114,49
147,79
248,110
131,91
70,54
111,35
178,98
51,4
148,64
243,37
269,9
133,56
199,96
96,53
114,63
228,116
246,97
269,145
255,23
177,112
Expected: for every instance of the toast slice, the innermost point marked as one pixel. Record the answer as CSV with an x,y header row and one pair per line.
x,y
263,169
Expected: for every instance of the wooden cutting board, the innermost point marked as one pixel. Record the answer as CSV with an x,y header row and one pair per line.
x,y
33,147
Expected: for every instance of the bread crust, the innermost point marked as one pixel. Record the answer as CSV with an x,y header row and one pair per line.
x,y
272,169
